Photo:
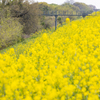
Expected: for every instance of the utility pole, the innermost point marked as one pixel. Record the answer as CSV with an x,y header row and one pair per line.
x,y
56,19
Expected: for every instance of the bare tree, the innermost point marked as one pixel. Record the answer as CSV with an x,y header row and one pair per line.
x,y
69,1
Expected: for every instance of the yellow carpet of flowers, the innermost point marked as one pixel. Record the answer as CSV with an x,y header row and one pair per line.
x,y
64,65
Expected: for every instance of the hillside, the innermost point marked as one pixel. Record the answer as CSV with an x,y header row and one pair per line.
x,y
63,65
19,19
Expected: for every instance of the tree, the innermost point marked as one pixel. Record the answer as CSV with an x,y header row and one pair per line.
x,y
29,18
84,9
69,1
92,6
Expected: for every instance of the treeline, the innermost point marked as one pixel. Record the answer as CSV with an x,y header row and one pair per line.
x,y
19,19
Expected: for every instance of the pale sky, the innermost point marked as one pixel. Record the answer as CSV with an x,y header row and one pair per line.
x,y
88,2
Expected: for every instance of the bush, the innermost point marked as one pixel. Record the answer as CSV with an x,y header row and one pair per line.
x,y
10,32
29,18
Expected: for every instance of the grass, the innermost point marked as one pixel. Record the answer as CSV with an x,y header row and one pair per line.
x,y
31,38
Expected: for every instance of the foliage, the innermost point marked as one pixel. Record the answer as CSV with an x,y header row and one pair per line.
x,y
76,8
59,20
10,32
54,7
24,15
83,7
27,14
31,19
43,6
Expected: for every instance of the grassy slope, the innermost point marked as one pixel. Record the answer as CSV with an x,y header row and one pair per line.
x,y
32,38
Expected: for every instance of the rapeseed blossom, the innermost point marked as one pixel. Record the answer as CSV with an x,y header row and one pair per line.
x,y
64,65
67,20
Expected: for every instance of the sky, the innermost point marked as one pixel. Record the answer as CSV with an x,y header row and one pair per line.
x,y
88,2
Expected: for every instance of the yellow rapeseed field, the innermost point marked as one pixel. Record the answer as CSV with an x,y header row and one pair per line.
x,y
64,65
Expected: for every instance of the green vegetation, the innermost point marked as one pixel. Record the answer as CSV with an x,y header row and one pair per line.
x,y
19,19
10,31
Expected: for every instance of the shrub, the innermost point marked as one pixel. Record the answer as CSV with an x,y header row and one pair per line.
x,y
10,31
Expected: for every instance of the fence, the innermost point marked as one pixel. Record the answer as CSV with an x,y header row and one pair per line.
x,y
58,13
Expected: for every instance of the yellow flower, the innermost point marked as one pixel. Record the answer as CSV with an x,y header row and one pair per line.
x,y
79,96
64,64
63,97
37,98
29,98
11,51
67,20
83,89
